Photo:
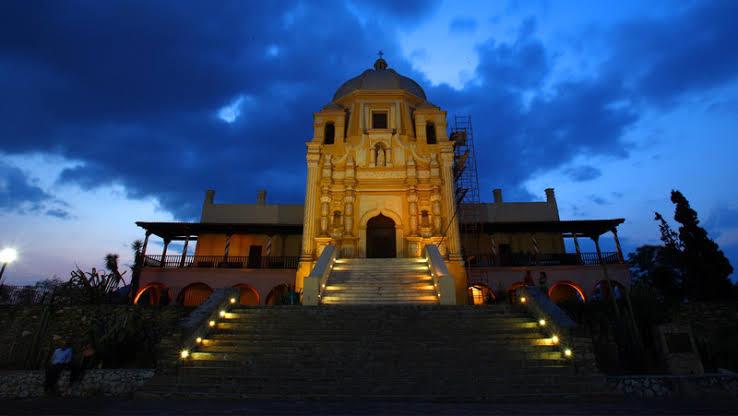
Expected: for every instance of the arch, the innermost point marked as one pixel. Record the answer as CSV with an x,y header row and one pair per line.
x,y
152,294
565,291
600,292
430,133
481,294
194,294
329,133
277,294
384,211
381,237
399,236
248,295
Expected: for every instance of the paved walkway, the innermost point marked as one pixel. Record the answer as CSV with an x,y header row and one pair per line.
x,y
251,407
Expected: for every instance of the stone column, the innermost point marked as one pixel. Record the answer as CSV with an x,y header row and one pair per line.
x,y
311,193
447,164
617,244
184,251
164,252
325,207
436,211
412,199
348,212
145,243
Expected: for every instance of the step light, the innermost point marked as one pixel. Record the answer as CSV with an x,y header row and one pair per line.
x,y
222,313
542,322
198,340
233,300
211,324
523,299
567,353
184,354
554,339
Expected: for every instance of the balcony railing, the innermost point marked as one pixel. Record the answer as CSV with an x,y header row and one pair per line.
x,y
230,262
542,259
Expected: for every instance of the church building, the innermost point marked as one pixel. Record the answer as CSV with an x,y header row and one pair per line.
x,y
384,220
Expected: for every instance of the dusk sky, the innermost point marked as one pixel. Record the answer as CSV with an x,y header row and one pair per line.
x,y
113,112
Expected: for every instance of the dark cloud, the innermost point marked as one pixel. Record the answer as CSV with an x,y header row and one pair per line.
x,y
58,213
132,90
583,173
18,193
462,25
598,200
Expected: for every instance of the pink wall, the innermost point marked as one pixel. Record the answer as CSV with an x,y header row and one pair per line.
x,y
262,280
586,277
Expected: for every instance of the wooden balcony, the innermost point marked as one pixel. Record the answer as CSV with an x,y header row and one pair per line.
x,y
230,262
542,259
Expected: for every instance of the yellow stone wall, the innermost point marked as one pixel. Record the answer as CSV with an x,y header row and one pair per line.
x,y
214,244
368,171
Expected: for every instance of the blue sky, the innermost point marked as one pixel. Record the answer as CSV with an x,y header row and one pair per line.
x,y
113,112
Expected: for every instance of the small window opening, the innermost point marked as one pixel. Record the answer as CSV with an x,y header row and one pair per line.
x,y
379,120
336,218
329,133
430,133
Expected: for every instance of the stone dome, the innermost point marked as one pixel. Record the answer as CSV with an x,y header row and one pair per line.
x,y
380,78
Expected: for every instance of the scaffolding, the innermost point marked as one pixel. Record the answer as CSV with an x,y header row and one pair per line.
x,y
466,184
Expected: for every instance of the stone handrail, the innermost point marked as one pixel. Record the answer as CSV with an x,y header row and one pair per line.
x,y
557,323
315,282
195,325
442,279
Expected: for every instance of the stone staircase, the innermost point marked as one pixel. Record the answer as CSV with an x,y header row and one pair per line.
x,y
408,352
380,281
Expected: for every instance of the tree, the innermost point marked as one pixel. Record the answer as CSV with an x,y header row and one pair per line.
x,y
137,247
653,266
705,269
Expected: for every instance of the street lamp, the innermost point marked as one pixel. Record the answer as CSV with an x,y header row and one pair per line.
x,y
7,255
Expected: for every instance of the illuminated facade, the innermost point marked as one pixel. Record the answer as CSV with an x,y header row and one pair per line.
x,y
380,183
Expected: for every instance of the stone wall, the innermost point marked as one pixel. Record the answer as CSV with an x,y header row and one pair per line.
x,y
665,386
109,383
715,330
26,332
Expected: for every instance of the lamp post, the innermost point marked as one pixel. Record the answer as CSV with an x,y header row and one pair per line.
x,y
7,255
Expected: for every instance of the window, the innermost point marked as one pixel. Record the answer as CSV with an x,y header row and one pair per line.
x,y
379,120
329,133
430,133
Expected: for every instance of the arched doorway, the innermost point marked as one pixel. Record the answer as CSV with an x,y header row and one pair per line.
x,y
152,294
194,294
248,295
566,291
380,237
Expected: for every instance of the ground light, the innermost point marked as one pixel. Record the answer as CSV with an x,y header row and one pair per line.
x,y
184,354
523,299
222,314
555,339
233,300
542,322
567,352
198,340
211,324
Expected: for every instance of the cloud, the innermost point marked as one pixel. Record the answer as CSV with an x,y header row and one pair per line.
x,y
462,25
583,173
133,89
18,193
58,213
